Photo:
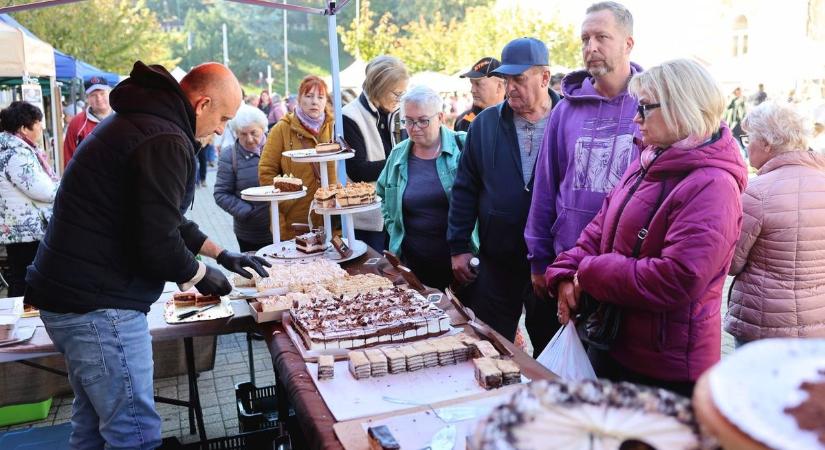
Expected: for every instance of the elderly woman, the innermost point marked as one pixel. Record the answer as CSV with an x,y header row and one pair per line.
x,y
415,186
238,170
371,127
659,248
310,124
27,189
779,263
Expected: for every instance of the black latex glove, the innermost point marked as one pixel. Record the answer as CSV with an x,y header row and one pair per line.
x,y
213,283
237,261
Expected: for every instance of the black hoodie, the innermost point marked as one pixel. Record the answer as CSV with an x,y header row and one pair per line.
x,y
118,230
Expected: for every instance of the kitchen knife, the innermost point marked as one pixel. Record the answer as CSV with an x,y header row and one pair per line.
x,y
189,314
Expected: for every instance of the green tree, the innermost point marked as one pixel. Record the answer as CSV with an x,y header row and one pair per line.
x,y
365,39
430,45
110,34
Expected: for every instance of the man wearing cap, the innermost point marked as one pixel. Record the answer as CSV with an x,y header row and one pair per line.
x,y
486,91
588,143
82,124
494,185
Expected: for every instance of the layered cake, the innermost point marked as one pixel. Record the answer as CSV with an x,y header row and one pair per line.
x,y
359,365
352,285
354,194
325,196
206,300
8,324
184,299
587,414
365,320
327,147
312,242
487,373
326,367
300,276
287,183
810,414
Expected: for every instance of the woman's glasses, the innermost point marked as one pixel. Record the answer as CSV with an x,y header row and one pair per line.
x,y
643,109
423,123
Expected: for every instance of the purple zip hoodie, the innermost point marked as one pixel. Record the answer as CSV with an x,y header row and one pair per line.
x,y
587,147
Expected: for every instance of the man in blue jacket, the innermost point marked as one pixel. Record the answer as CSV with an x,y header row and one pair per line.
x,y
117,234
494,186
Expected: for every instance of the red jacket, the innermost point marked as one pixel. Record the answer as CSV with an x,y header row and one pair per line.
x,y
81,126
671,295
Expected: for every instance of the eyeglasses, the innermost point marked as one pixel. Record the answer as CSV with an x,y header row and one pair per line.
x,y
745,140
643,109
398,95
423,123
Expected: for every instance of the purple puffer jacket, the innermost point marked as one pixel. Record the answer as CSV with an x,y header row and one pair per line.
x,y
671,294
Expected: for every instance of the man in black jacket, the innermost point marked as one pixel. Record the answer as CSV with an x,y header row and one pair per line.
x,y
487,91
117,234
493,186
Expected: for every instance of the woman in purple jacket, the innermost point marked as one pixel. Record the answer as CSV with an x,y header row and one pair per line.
x,y
660,247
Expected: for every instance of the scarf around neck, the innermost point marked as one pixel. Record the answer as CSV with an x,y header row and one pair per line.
x,y
313,125
41,156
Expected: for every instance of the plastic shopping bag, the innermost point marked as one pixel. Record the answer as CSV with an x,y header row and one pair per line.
x,y
565,355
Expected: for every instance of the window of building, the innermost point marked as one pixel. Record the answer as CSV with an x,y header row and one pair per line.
x,y
740,36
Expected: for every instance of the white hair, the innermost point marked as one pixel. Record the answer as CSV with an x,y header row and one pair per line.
x,y
780,125
248,116
422,96
692,102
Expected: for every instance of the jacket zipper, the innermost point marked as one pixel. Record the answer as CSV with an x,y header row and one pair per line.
x,y
662,332
629,195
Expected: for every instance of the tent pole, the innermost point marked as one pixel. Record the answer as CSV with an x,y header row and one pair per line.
x,y
336,102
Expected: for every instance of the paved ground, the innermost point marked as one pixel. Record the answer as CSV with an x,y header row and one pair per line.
x,y
231,364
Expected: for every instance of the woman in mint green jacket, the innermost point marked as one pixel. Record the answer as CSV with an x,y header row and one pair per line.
x,y
416,186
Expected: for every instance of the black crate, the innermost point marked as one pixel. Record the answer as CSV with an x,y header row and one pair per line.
x,y
256,440
257,407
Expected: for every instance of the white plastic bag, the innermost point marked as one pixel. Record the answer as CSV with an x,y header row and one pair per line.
x,y
565,355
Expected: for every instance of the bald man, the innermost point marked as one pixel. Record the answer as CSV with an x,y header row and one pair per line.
x,y
118,233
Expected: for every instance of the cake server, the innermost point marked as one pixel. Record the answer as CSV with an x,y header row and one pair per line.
x,y
189,314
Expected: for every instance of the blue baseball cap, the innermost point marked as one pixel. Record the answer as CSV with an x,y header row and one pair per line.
x,y
521,54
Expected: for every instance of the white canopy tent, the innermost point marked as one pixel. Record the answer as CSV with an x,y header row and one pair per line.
x,y
440,82
23,55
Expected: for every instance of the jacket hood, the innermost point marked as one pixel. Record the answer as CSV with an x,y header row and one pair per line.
x,y
808,158
578,85
152,90
720,152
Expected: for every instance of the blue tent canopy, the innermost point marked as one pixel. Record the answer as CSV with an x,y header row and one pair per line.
x,y
67,67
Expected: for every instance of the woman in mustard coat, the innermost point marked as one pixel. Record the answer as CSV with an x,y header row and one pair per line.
x,y
311,123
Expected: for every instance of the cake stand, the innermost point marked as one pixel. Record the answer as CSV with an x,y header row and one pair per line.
x,y
358,247
266,194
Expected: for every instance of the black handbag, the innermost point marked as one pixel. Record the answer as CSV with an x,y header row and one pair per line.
x,y
598,323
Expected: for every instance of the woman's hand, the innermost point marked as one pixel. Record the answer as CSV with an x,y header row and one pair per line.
x,y
568,299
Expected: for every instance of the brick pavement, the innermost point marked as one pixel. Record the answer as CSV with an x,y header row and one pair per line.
x,y
231,362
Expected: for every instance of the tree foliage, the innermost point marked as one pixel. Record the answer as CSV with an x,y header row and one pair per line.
x,y
110,34
365,39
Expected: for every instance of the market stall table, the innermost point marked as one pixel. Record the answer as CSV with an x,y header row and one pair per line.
x,y
241,321
295,384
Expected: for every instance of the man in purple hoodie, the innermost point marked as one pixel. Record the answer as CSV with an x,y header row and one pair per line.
x,y
588,143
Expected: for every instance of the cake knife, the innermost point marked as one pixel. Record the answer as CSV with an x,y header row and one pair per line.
x,y
189,314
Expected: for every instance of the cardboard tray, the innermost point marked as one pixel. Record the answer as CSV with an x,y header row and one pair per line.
x,y
261,316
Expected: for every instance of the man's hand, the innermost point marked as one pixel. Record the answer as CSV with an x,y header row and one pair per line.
x,y
461,268
236,262
539,285
568,298
213,283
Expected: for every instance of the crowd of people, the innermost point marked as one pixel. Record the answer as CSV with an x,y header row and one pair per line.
x,y
617,197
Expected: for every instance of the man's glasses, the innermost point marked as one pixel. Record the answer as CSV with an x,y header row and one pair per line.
x,y
745,140
423,123
643,109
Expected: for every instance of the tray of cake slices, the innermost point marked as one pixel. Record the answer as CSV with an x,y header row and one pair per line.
x,y
191,306
283,187
349,199
592,414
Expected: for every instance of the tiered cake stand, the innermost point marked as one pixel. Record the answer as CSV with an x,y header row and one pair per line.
x,y
268,194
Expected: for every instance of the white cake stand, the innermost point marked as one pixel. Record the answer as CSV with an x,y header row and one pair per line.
x,y
263,194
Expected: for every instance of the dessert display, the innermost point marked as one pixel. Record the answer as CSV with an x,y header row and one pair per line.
x,y
311,242
287,183
300,276
510,371
351,285
359,365
481,349
341,247
487,373
378,362
206,300
381,438
326,367
368,319
586,414
327,147
184,299
276,302
353,194
810,413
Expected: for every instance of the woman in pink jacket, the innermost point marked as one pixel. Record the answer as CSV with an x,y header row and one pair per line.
x,y
662,243
779,261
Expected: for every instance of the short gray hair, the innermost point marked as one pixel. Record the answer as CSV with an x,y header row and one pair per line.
x,y
780,125
692,102
247,116
622,15
422,96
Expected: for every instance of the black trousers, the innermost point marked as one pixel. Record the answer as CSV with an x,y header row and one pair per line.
x,y
251,246
19,257
433,273
375,239
606,367
502,289
202,154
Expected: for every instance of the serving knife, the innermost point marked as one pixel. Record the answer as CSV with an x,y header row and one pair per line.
x,y
189,314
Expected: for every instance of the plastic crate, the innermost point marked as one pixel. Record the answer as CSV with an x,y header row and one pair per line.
x,y
257,407
14,414
55,437
256,440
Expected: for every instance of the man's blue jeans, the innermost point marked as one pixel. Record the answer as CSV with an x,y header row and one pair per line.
x,y
109,359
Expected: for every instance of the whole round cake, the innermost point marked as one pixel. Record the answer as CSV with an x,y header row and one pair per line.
x,y
597,415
